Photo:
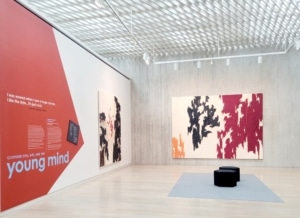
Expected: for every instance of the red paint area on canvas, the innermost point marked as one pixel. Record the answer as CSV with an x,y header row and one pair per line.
x,y
240,127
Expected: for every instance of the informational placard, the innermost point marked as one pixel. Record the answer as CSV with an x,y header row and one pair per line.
x,y
73,132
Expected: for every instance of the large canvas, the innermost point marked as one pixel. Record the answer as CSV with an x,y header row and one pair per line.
x,y
109,129
221,126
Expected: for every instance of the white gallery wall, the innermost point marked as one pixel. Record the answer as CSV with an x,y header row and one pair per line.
x,y
86,76
153,87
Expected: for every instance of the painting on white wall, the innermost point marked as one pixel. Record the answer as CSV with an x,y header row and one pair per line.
x,y
109,110
220,126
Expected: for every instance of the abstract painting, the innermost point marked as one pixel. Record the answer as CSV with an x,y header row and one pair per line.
x,y
220,126
109,129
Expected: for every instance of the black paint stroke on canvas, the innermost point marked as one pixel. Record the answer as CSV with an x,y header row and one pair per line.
x,y
117,127
195,111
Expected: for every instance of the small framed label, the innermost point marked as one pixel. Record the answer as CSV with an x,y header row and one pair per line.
x,y
73,132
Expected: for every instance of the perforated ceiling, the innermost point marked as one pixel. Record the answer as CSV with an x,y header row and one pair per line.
x,y
207,28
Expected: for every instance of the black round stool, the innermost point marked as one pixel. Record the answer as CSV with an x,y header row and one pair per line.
x,y
225,178
236,169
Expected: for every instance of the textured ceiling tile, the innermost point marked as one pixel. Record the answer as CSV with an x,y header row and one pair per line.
x,y
132,27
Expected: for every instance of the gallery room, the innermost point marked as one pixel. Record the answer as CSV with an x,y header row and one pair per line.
x,y
136,108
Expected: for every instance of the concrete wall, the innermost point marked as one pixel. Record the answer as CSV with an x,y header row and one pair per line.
x,y
153,87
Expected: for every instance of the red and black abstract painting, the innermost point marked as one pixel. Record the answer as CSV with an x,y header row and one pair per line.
x,y
220,126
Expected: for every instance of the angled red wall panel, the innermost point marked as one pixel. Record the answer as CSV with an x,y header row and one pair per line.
x,y
39,130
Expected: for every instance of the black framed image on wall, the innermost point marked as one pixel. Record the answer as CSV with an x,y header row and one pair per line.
x,y
73,132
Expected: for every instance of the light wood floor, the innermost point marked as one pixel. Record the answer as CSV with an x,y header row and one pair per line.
x,y
141,191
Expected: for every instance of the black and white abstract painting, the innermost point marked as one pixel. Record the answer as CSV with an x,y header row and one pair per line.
x,y
109,119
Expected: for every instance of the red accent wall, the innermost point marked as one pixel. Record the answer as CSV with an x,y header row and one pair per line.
x,y
36,108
